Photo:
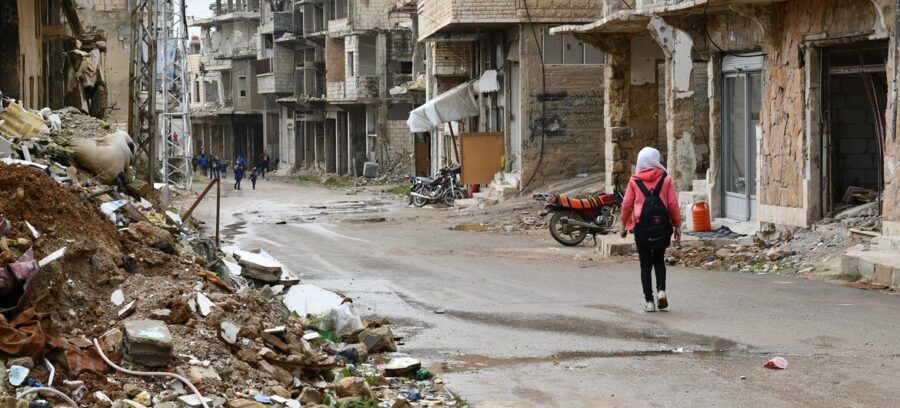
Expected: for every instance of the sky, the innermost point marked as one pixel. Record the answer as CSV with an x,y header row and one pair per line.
x,y
197,9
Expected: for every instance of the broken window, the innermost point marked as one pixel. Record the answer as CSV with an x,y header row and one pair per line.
x,y
242,86
211,89
566,49
406,67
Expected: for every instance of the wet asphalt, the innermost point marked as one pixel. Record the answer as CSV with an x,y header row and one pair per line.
x,y
517,321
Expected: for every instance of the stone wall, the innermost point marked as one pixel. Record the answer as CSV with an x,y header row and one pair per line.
x,y
452,58
783,113
437,14
112,17
396,148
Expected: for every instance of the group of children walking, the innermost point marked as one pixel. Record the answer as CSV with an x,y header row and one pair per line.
x,y
239,175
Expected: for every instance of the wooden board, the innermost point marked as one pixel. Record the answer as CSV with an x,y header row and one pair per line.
x,y
482,154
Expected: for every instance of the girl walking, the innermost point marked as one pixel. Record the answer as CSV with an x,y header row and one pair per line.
x,y
650,210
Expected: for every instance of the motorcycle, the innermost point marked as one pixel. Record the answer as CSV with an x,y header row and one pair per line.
x,y
574,218
443,188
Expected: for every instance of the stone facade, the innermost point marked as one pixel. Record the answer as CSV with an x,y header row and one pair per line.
x,y
798,171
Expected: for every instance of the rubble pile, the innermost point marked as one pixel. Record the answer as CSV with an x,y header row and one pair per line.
x,y
98,287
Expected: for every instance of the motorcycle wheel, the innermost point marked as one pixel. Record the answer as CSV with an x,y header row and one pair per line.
x,y
566,234
453,195
419,201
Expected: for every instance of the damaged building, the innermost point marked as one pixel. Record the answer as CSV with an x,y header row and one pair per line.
x,y
539,103
226,105
48,43
780,113
333,64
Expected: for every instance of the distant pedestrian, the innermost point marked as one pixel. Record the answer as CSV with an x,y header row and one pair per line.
x,y
650,210
194,163
223,168
214,166
263,164
238,176
204,164
253,177
240,161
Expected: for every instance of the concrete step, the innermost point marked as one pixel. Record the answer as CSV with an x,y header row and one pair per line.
x,y
873,264
615,245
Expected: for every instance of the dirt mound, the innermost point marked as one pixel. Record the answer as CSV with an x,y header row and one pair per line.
x,y
62,219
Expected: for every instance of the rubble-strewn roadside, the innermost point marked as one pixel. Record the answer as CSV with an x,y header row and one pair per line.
x,y
158,296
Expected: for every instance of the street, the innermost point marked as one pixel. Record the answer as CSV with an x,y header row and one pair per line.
x,y
514,321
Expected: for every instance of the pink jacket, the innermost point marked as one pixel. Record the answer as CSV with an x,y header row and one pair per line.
x,y
634,198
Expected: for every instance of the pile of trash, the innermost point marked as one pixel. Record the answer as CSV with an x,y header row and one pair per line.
x,y
110,300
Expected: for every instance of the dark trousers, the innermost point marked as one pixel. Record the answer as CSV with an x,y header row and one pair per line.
x,y
253,181
652,258
237,184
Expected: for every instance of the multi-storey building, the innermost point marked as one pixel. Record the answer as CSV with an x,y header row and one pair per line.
x,y
545,93
226,110
346,57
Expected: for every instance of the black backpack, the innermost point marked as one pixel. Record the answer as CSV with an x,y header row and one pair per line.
x,y
654,228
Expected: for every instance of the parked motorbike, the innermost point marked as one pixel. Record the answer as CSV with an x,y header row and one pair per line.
x,y
443,188
573,218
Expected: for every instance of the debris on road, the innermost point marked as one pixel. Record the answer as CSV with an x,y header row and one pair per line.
x,y
92,263
778,363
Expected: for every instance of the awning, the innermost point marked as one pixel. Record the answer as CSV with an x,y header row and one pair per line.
x,y
455,104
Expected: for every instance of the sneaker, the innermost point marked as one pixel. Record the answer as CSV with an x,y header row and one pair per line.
x,y
650,307
662,300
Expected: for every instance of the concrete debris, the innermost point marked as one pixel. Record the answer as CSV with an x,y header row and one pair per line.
x,y
118,297
378,340
353,387
230,332
402,366
151,235
148,342
204,304
260,266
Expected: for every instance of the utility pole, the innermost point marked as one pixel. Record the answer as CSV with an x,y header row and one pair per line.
x,y
142,88
175,114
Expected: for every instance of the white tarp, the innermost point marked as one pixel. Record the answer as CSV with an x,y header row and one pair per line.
x,y
455,104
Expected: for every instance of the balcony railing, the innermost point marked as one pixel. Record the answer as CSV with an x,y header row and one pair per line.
x,y
264,66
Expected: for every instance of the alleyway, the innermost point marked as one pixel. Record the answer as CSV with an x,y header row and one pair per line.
x,y
516,322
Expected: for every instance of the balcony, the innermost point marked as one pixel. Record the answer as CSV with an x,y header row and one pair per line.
x,y
460,16
212,63
239,50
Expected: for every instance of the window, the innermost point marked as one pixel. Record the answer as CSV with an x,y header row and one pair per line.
x,y
566,49
351,71
242,86
406,67
196,97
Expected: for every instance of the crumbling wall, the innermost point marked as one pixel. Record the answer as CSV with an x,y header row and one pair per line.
x,y
783,184
111,19
564,117
30,54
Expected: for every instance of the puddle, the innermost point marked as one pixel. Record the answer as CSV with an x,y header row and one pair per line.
x,y
473,228
232,230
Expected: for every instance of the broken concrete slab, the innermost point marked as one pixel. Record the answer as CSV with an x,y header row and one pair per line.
x,y
204,304
200,373
402,366
118,297
864,210
260,266
192,400
310,299
230,331
148,342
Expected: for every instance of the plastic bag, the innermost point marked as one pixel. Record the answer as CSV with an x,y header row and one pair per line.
x,y
345,319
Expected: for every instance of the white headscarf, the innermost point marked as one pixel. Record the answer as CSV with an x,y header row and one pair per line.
x,y
648,158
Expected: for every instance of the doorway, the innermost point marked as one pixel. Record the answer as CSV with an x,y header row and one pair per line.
x,y
856,100
741,102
